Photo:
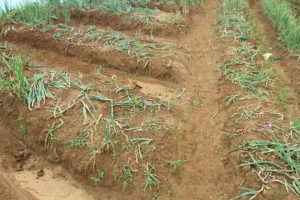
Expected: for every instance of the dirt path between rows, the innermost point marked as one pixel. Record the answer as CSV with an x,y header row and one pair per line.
x,y
206,176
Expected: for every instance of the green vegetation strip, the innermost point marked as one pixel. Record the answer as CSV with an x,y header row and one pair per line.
x,y
277,158
35,14
142,49
243,68
33,89
285,21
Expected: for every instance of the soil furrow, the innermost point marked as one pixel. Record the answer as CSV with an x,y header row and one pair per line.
x,y
124,23
114,128
201,141
111,59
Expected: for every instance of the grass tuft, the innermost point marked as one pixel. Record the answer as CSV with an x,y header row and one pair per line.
x,y
284,20
151,178
37,91
175,164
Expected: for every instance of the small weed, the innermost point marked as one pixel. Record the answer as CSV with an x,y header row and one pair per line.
x,y
126,178
80,141
58,111
47,28
17,66
86,110
250,192
145,16
228,100
154,124
22,126
92,36
151,178
5,31
99,70
283,96
136,103
253,112
100,174
57,36
172,19
51,135
196,101
295,127
61,80
107,143
175,164
247,50
140,144
37,91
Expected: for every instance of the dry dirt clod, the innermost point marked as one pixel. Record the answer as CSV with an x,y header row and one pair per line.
x,y
40,173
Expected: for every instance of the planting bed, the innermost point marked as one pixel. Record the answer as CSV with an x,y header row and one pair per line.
x,y
147,100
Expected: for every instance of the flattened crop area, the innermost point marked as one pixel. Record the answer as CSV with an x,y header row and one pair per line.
x,y
146,100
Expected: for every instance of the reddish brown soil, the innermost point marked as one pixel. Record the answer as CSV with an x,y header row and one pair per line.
x,y
7,147
211,171
172,8
205,171
23,167
166,8
288,65
111,59
296,7
123,23
282,68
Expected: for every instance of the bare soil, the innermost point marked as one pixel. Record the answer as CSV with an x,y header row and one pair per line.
x,y
30,169
125,23
108,58
296,7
